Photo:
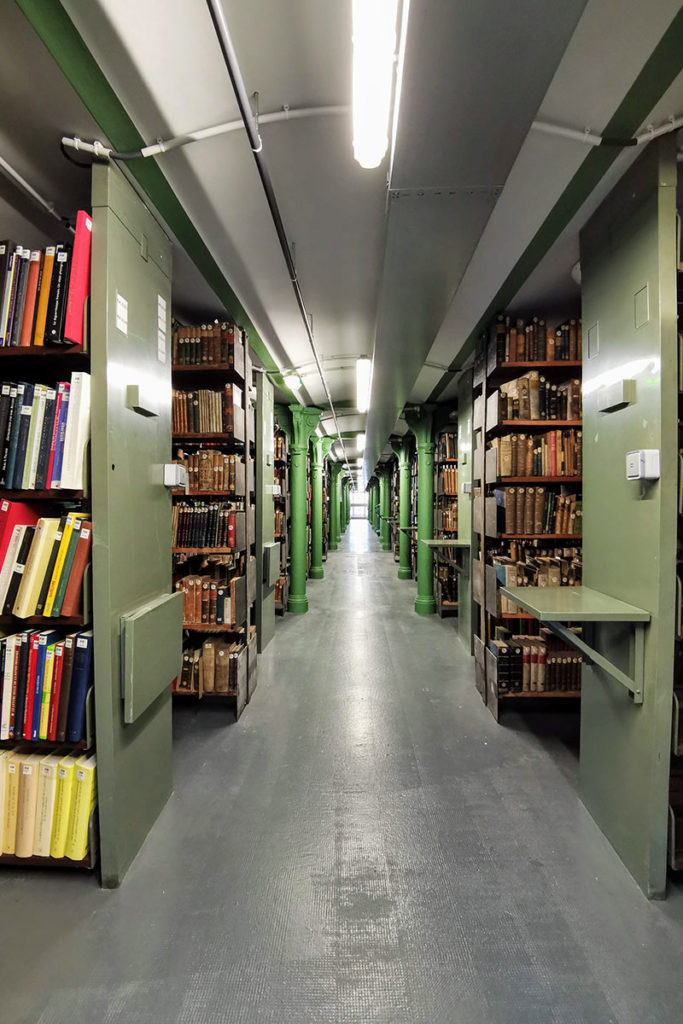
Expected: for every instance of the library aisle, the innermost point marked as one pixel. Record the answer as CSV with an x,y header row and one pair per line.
x,y
369,847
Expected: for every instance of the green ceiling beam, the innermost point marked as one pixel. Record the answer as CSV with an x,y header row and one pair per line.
x,y
660,70
60,36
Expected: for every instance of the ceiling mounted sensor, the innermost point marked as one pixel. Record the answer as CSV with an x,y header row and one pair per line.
x,y
363,381
374,57
293,381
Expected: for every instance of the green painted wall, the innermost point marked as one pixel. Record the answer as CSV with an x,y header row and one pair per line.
x,y
630,529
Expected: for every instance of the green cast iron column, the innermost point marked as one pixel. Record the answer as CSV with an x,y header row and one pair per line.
x,y
420,423
384,529
369,494
402,449
304,422
375,512
335,470
347,504
320,446
340,491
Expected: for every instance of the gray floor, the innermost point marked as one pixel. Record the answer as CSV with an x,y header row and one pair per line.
x,y
366,845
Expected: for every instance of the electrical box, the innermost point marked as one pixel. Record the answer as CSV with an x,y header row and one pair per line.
x,y
643,464
174,475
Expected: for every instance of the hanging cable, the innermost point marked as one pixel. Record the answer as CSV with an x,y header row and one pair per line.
x,y
256,143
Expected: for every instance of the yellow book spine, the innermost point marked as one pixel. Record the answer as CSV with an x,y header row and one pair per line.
x,y
41,314
11,802
81,808
60,818
47,692
59,563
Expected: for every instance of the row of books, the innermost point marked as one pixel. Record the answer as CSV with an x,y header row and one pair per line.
x,y
279,589
206,600
555,453
449,475
45,679
540,571
206,411
533,397
536,664
447,446
206,344
279,523
533,341
211,668
46,802
526,510
280,443
43,561
203,524
209,470
447,581
43,433
521,550
43,291
447,518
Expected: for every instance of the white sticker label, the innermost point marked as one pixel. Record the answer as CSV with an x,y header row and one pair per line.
x,y
62,772
27,769
81,642
80,774
161,329
121,314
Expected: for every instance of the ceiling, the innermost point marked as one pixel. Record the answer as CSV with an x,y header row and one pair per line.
x,y
400,263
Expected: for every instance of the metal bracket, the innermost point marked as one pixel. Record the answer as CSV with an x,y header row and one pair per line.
x,y
634,685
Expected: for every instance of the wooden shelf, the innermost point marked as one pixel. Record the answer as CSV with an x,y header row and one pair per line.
x,y
548,366
569,537
57,495
209,627
179,493
205,551
447,462
511,615
539,479
43,744
535,425
9,860
204,368
42,620
543,693
207,437
42,351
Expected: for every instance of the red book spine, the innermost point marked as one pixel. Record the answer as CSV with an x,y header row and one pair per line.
x,y
56,687
30,685
79,281
232,530
553,453
55,434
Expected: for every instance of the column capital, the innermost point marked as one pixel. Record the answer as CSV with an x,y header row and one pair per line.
x,y
326,443
401,447
304,421
420,424
317,456
335,469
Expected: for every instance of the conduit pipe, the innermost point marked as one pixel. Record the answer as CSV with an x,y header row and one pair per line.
x,y
256,143
592,139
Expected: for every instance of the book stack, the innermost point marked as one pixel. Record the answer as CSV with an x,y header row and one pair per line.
x,y
279,589
45,678
555,453
534,397
533,341
43,291
208,345
43,561
280,442
204,524
46,803
206,600
206,411
447,518
43,434
536,664
208,470
279,523
447,446
449,475
538,510
211,668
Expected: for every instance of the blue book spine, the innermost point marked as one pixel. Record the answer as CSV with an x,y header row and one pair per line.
x,y
59,446
13,438
80,683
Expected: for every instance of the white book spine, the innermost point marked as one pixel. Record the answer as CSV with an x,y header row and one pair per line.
x,y
10,559
71,428
72,471
7,688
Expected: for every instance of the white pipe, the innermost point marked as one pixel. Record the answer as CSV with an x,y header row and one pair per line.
x,y
591,139
654,133
164,145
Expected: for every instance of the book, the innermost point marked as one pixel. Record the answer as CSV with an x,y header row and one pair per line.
x,y
44,295
10,560
62,804
24,426
13,258
74,590
7,645
79,280
23,642
56,691
49,569
30,692
46,639
43,447
77,432
36,568
71,518
12,765
26,804
12,439
35,427
81,676
45,803
19,299
66,568
54,328
65,689
47,692
59,423
82,803
18,569
32,282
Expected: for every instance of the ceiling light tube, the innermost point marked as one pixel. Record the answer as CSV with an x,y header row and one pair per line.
x,y
292,381
363,381
374,48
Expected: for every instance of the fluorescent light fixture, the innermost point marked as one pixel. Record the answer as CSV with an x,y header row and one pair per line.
x,y
360,442
292,381
374,48
359,460
363,381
